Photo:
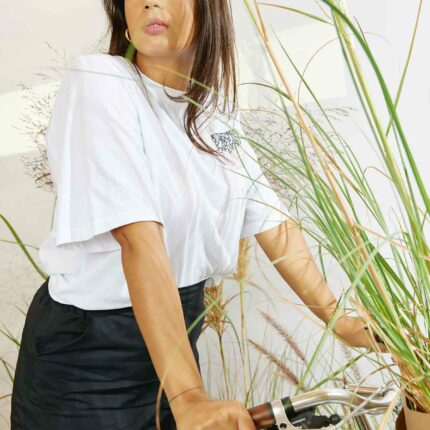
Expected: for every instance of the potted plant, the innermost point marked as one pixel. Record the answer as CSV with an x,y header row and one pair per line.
x,y
388,264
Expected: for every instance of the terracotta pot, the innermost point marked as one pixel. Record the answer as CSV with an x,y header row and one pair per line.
x,y
409,419
412,420
401,422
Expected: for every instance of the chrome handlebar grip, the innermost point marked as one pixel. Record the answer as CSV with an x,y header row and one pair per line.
x,y
372,399
374,402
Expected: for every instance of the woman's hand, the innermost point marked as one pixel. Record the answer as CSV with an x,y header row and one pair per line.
x,y
205,413
354,332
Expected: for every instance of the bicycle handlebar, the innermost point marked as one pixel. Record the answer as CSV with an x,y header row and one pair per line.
x,y
281,411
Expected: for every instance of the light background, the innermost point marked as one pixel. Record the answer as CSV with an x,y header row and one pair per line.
x,y
27,29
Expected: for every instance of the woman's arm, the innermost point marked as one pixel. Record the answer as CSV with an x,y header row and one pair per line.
x,y
298,268
157,307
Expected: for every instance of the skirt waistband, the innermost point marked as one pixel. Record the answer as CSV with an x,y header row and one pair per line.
x,y
184,292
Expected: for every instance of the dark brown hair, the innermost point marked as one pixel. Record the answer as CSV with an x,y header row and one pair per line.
x,y
214,64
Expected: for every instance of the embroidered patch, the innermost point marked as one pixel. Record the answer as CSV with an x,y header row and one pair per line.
x,y
225,141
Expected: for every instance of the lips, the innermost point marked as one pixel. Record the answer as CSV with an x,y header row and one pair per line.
x,y
156,21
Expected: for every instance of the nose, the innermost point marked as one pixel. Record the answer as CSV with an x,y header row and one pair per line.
x,y
149,4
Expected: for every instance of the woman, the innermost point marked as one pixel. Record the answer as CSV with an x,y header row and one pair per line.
x,y
147,211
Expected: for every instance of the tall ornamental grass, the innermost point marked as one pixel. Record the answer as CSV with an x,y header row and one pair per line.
x,y
388,265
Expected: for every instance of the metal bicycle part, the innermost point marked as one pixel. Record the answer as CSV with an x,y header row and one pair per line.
x,y
281,418
288,412
352,396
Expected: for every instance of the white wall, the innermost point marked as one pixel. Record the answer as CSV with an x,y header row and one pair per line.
x,y
26,27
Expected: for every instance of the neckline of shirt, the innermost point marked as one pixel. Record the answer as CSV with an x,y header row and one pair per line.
x,y
161,92
160,87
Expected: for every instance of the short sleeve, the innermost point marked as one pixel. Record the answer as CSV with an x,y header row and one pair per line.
x,y
264,209
96,156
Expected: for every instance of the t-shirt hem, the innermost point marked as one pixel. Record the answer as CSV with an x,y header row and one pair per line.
x,y
259,227
105,225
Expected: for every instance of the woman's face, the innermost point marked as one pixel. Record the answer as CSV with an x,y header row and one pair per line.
x,y
173,40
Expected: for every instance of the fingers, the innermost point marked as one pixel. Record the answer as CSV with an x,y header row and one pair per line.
x,y
244,419
377,338
245,422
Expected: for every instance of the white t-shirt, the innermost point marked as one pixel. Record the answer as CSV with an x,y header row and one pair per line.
x,y
117,156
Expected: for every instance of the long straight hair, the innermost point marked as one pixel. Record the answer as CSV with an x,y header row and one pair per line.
x,y
214,64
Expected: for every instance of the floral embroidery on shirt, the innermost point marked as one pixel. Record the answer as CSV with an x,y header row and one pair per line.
x,y
226,140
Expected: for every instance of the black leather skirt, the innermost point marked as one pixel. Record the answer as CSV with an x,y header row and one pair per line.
x,y
90,369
